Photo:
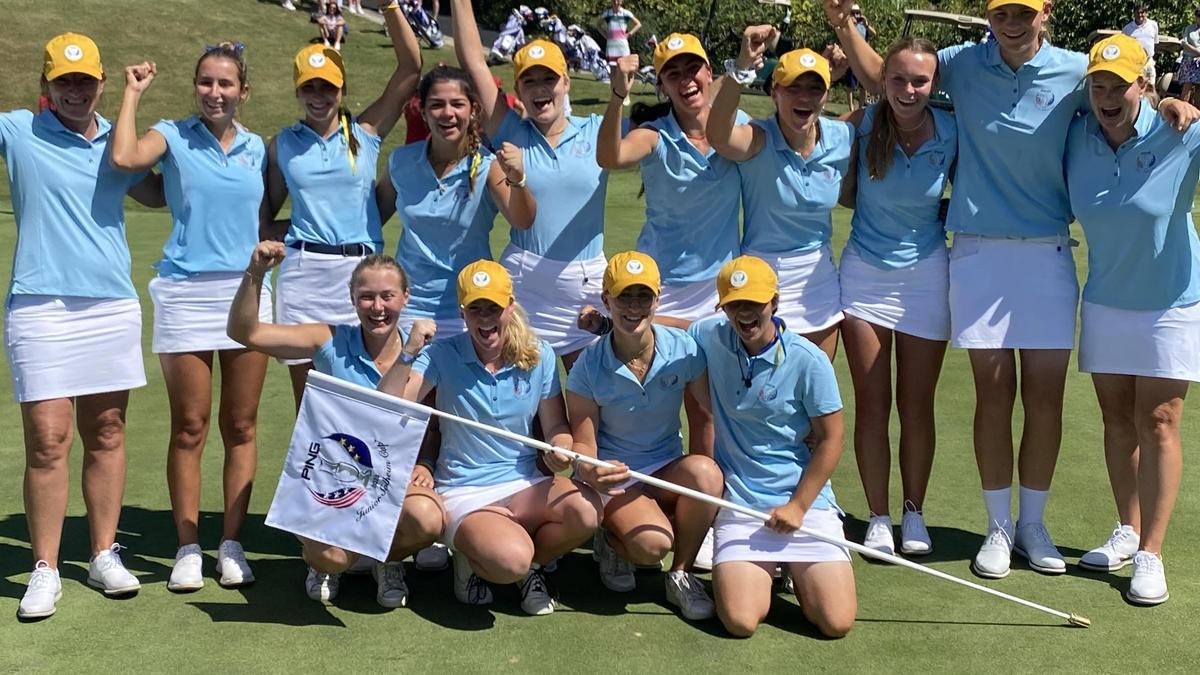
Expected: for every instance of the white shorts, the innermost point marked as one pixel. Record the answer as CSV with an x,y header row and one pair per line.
x,y
691,301
61,347
810,298
1012,293
314,288
1154,343
552,293
190,314
460,502
739,537
913,300
445,327
648,469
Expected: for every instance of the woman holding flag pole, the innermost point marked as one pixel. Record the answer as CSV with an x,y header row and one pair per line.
x,y
359,353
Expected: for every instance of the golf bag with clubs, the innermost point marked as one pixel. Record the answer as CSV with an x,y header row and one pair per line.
x,y
512,35
423,25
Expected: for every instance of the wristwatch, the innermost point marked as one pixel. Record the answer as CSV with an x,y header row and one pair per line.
x,y
738,75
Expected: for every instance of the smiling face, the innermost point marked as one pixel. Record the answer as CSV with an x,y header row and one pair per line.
x,y
75,97
1140,15
1115,102
908,81
541,91
320,101
379,297
752,321
685,81
448,110
1018,28
799,104
632,311
219,89
486,322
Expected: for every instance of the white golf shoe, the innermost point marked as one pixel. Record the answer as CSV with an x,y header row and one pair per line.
x,y
433,558
879,535
187,573
1149,583
914,536
616,573
468,587
322,587
686,592
232,565
107,573
391,591
537,598
704,557
44,589
1033,543
1115,553
995,555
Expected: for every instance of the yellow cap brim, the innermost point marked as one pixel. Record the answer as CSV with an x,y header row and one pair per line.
x,y
331,78
1039,5
619,287
686,51
1127,75
781,82
500,299
759,295
68,68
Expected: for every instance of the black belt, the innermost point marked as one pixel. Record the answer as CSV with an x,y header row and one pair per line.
x,y
347,250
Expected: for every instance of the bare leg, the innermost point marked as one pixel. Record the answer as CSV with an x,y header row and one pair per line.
x,y
1117,395
422,521
869,354
188,377
1158,414
1043,382
918,367
743,595
101,422
827,595
49,429
995,373
242,374
826,339
299,376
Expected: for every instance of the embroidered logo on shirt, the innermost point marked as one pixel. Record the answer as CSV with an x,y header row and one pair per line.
x,y
316,60
937,159
521,388
73,52
669,381
481,279
581,149
768,393
1043,98
738,279
1146,161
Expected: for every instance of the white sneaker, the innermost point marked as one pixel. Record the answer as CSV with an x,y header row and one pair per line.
x,y
537,598
108,573
995,555
322,587
1149,583
686,592
392,592
914,537
287,4
1033,543
1116,553
615,573
704,557
468,587
232,565
879,535
188,573
433,558
44,589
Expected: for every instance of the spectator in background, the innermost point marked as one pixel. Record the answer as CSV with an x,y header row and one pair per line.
x,y
287,4
333,26
355,7
856,96
1189,63
1144,30
617,24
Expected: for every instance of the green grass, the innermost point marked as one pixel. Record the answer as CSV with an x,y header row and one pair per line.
x,y
905,621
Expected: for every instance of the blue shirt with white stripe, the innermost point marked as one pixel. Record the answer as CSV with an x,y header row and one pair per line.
x,y
345,356
1135,205
214,197
69,204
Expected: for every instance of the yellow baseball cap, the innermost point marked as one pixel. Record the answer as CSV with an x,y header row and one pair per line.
x,y
746,278
318,62
539,53
798,62
484,280
1032,4
71,53
678,44
631,268
1120,55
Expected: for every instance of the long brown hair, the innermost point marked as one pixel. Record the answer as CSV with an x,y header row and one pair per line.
x,y
885,133
445,73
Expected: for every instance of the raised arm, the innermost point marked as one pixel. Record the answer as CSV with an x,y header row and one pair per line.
x,y
506,182
397,380
278,340
381,116
468,47
864,60
385,194
733,141
130,153
612,151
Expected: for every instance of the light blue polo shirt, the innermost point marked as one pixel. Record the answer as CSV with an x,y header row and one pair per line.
x,y
345,356
639,421
568,185
1012,130
787,200
896,220
330,203
446,226
69,204
692,205
214,198
507,399
1135,206
760,428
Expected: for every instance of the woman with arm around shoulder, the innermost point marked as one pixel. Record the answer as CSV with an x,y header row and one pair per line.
x,y
557,263
72,321
359,352
446,191
212,169
791,167
1140,332
894,282
326,163
505,519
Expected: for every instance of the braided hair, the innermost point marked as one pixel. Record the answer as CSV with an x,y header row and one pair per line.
x,y
474,136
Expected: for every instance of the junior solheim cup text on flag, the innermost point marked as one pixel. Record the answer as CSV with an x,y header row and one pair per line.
x,y
348,466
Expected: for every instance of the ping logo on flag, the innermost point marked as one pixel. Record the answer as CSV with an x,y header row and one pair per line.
x,y
334,481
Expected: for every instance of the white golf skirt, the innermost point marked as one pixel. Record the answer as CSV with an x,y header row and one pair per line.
x,y
445,327
739,537
61,347
913,300
461,502
314,288
552,293
810,297
1012,293
691,301
190,314
648,469
1154,343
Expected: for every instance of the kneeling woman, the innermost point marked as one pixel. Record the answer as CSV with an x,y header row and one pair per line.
x,y
770,389
358,353
504,518
1131,177
624,394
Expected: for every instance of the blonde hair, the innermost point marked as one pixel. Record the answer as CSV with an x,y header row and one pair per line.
x,y
521,346
885,134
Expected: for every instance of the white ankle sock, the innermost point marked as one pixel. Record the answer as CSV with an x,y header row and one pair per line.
x,y
999,506
1032,505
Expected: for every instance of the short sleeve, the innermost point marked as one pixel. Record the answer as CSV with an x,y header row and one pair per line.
x,y
948,62
699,331
695,364
426,362
581,377
741,117
10,126
549,367
817,388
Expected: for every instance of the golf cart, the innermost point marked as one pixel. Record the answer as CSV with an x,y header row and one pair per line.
x,y
1167,45
953,28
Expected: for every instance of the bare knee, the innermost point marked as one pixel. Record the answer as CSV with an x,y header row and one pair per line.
x,y
704,474
189,430
648,548
326,559
239,428
107,433
1159,423
504,563
832,624
739,621
581,511
421,523
49,447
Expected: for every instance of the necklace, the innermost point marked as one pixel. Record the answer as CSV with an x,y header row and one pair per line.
x,y
924,118
637,364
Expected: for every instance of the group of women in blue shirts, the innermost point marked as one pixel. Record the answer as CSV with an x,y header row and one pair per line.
x,y
757,381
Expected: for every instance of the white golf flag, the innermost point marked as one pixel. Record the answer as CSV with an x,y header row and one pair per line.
x,y
348,466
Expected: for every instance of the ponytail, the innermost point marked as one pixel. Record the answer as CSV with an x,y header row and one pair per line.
x,y
521,346
351,139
